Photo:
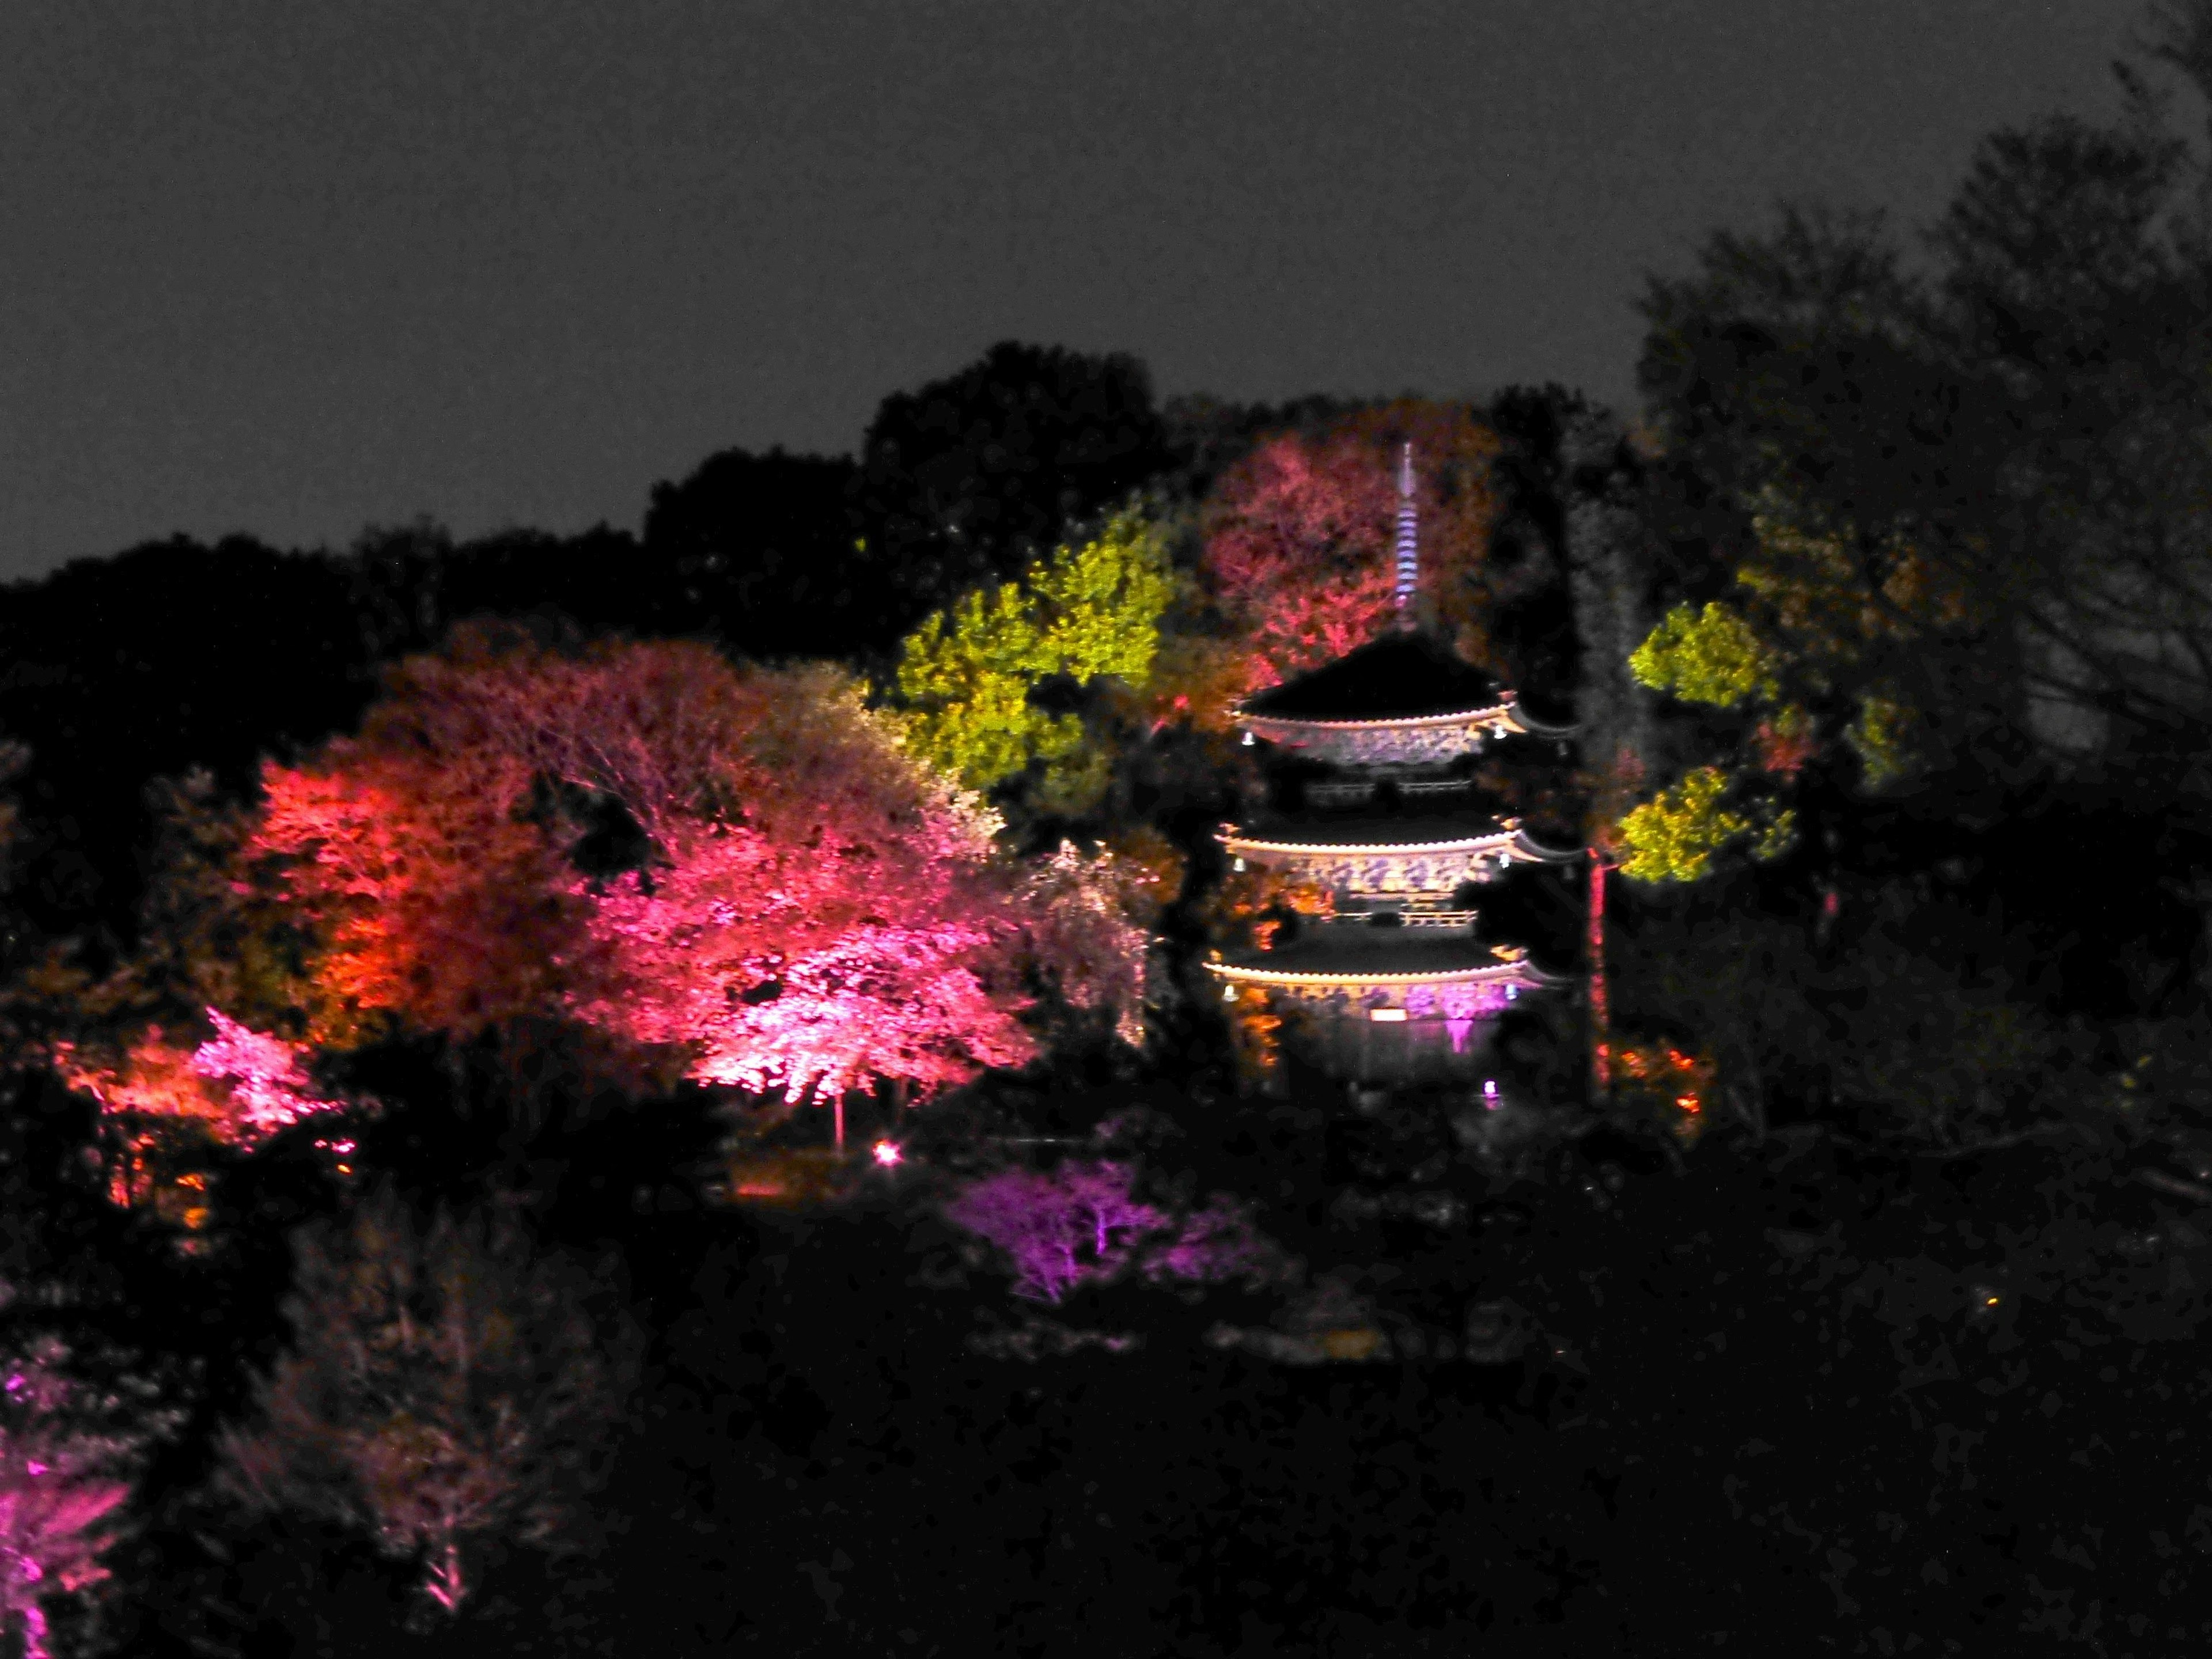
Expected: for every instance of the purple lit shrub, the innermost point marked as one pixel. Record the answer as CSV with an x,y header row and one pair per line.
x,y
1082,1224
1060,1229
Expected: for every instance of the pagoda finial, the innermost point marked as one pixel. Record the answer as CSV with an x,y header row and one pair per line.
x,y
1409,551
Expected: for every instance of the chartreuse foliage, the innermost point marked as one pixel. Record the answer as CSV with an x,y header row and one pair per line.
x,y
1815,649
1088,613
1708,656
1675,834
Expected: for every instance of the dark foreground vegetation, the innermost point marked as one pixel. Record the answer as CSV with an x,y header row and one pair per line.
x,y
422,1228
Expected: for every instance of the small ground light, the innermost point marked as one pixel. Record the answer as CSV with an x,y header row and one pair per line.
x,y
887,1153
1489,1093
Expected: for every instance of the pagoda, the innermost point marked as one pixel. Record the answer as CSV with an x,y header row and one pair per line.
x,y
1372,807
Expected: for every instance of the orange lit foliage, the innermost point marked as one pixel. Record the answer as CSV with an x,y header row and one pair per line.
x,y
1298,536
237,1087
743,865
438,903
1674,1083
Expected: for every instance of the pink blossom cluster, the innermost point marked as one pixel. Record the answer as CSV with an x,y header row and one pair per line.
x,y
269,1089
1298,554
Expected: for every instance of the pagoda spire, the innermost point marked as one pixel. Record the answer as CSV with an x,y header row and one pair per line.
x,y
1409,549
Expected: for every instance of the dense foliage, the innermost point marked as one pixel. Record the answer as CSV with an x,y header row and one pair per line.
x,y
416,957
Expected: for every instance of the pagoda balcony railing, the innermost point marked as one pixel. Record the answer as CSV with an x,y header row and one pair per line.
x,y
1340,794
1413,787
1436,918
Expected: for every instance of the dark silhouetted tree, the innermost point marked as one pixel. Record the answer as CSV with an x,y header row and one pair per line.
x,y
446,1386
968,478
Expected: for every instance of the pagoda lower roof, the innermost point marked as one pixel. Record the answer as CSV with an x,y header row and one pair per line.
x,y
1398,677
1363,954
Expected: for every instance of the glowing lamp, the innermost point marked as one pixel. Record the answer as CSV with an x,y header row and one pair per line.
x,y
1247,739
1229,993
1239,864
1387,1016
887,1153
1511,992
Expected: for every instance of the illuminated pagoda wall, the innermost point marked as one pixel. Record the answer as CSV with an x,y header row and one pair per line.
x,y
1372,800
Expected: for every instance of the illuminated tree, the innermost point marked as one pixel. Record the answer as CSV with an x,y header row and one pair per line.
x,y
68,1452
1298,536
1089,612
1815,655
1060,1229
1962,504
236,1087
746,866
1082,1224
444,1386
968,478
438,904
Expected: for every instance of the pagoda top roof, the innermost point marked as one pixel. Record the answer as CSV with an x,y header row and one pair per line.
x,y
1374,830
1401,676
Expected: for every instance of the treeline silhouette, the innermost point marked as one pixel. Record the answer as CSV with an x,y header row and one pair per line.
x,y
179,655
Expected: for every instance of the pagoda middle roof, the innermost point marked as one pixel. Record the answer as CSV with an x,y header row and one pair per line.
x,y
1398,677
1367,952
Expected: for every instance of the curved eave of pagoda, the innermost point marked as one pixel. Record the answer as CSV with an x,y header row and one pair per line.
x,y
1528,725
1514,843
1288,730
1522,973
1259,846
1503,717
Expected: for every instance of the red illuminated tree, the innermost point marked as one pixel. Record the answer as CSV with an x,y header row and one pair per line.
x,y
741,863
1299,534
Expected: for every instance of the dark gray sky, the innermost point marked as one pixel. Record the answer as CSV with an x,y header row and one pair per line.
x,y
292,268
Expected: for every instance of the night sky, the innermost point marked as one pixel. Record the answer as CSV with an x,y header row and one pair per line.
x,y
292,268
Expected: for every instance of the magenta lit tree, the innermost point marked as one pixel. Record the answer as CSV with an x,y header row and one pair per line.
x,y
1083,1223
1075,1224
792,905
68,1452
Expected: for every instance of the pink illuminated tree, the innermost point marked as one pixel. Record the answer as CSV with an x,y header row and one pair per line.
x,y
744,865
1300,533
68,1452
237,1087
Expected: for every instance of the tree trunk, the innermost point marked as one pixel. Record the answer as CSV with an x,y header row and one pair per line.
x,y
446,1582
1600,1007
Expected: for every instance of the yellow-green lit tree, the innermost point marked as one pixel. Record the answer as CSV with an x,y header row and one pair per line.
x,y
1087,618
1831,642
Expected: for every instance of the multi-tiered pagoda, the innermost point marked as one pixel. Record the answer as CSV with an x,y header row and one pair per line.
x,y
1372,807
